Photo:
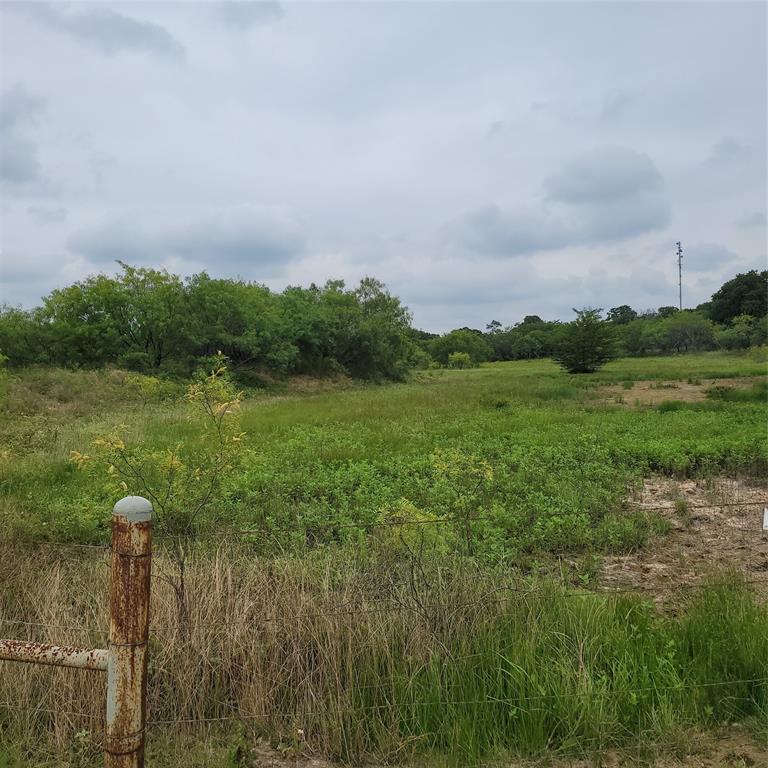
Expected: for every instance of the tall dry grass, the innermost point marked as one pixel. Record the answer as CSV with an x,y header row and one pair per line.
x,y
383,659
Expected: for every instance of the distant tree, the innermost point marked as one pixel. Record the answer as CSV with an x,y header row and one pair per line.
x,y
586,344
528,346
686,331
23,338
740,333
745,294
460,340
621,315
636,337
663,312
493,327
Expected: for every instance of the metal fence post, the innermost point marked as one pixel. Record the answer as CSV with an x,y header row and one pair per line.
x,y
128,633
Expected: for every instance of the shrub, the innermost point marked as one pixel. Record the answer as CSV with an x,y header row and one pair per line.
x,y
460,360
586,344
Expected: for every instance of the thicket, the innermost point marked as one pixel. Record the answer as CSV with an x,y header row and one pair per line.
x,y
149,320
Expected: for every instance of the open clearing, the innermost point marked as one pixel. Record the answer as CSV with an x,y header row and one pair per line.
x,y
650,393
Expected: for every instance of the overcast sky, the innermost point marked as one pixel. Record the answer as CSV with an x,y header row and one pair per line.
x,y
486,161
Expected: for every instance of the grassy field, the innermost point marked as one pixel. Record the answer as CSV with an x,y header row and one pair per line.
x,y
545,459
395,573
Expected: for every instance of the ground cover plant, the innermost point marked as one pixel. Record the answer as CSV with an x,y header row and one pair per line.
x,y
535,455
384,572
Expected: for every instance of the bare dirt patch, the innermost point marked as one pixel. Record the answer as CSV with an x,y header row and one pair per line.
x,y
716,526
649,393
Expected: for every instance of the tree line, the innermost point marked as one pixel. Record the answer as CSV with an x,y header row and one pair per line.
x,y
149,320
734,318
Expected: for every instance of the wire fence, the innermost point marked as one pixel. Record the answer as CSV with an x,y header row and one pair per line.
x,y
402,706
513,701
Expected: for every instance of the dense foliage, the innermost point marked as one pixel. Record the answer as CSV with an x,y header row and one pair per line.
x,y
150,320
586,344
735,318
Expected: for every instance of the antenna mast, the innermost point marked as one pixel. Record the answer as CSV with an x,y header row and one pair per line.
x,y
680,271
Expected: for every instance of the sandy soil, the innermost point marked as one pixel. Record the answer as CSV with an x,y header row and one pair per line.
x,y
707,535
645,393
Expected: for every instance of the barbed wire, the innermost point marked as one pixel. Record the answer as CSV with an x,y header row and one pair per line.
x,y
47,711
516,701
77,627
574,591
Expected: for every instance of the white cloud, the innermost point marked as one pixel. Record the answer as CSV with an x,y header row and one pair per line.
x,y
357,130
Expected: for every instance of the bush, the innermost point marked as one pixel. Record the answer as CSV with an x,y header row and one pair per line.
x,y
460,360
586,344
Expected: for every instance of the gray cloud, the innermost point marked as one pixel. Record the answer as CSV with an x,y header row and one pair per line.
x,y
604,176
706,257
727,153
47,215
103,29
245,14
18,107
244,237
755,219
606,195
491,230
615,105
19,162
362,118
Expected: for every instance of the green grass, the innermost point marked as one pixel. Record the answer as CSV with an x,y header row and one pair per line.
x,y
513,463
315,466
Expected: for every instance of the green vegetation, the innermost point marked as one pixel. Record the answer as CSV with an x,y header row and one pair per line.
x,y
471,667
324,469
735,318
586,344
410,571
149,320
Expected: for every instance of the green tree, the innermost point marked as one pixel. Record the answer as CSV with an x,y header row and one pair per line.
x,y
460,340
739,334
621,315
24,339
460,360
745,294
637,337
137,318
686,331
586,344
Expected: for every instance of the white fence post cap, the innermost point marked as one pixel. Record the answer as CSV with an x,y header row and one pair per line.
x,y
136,509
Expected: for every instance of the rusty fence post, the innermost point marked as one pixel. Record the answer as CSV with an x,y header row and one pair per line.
x,y
128,633
125,661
